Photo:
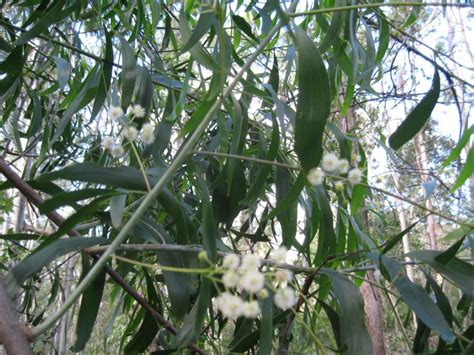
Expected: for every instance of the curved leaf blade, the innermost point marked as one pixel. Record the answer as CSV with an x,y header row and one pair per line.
x,y
417,118
314,101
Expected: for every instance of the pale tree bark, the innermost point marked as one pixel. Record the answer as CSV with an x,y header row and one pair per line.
x,y
422,162
370,293
62,336
13,335
403,225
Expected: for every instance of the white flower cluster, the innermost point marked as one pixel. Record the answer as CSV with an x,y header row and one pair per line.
x,y
129,132
244,275
331,164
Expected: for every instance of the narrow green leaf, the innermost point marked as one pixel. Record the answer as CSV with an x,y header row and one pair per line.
x,y
52,16
456,270
354,334
20,236
36,261
70,198
314,101
332,33
466,172
450,253
289,198
128,75
266,326
117,207
206,19
456,151
91,81
417,118
394,240
144,88
258,184
179,285
106,76
418,300
197,51
88,310
37,116
244,26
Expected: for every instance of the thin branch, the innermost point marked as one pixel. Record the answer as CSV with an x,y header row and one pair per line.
x,y
13,335
57,219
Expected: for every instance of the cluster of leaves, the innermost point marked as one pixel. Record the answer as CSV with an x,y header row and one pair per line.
x,y
244,184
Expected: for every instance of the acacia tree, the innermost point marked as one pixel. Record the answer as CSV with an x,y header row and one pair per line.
x,y
191,145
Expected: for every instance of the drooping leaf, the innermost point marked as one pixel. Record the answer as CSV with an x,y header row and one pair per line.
x,y
466,172
117,207
456,270
417,118
88,311
37,260
70,198
206,18
104,83
353,334
456,151
418,300
313,101
129,73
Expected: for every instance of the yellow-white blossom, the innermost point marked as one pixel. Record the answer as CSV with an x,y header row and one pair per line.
x,y
229,305
137,111
339,186
283,276
330,162
107,142
130,133
116,112
355,176
147,133
252,281
117,151
343,166
231,261
284,298
279,254
250,262
251,309
230,279
316,176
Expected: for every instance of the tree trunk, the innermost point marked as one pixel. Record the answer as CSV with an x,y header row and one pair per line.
x,y
422,162
403,226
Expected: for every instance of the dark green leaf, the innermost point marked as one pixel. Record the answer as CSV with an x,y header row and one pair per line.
x,y
70,198
129,73
88,310
104,83
394,240
466,172
206,18
54,15
36,261
458,271
450,253
244,26
417,118
354,334
313,101
266,326
418,300
456,151
332,33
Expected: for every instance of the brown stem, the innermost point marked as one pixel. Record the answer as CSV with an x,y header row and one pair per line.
x,y
12,335
57,219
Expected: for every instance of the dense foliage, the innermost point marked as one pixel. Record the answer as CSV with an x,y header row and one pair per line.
x,y
175,136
